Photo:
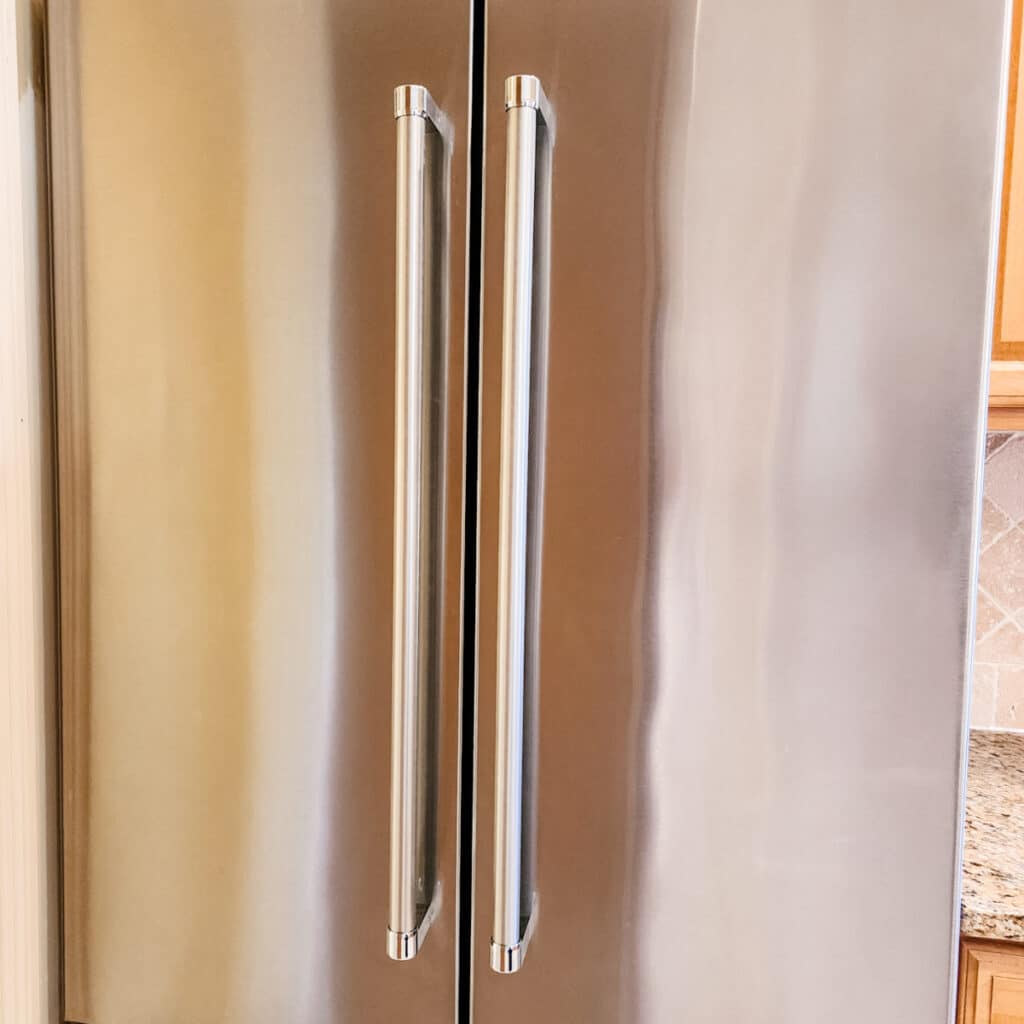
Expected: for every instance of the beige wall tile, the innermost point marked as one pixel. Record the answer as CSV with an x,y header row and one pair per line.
x,y
1004,646
1010,698
983,696
1002,572
989,616
995,440
1004,478
994,522
997,694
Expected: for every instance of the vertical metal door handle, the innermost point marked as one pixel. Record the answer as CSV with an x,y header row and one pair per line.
x,y
524,102
415,111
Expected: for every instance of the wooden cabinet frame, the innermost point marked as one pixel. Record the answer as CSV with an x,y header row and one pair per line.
x,y
1006,383
1006,395
1011,349
991,982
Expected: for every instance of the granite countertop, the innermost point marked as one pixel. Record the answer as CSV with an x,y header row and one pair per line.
x,y
993,879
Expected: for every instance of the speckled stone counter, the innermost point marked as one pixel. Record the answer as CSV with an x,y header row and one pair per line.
x,y
993,879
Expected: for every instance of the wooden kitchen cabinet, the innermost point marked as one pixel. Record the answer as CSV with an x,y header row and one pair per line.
x,y
1006,395
1006,392
991,982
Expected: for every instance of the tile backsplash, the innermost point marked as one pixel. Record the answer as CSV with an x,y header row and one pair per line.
x,y
998,700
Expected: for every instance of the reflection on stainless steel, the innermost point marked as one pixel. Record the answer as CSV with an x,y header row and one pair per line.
x,y
404,945
769,274
223,251
524,101
412,646
728,503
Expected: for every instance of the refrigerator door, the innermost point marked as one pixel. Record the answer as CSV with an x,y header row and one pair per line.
x,y
225,261
754,462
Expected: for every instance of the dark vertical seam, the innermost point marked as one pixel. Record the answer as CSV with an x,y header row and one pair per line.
x,y
467,794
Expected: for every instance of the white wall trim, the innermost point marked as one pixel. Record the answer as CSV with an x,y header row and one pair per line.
x,y
28,917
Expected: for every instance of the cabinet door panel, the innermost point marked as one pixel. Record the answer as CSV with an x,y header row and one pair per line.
x,y
1009,319
1008,999
991,982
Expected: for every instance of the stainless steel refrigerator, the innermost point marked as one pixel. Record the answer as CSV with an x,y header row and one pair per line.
x,y
518,494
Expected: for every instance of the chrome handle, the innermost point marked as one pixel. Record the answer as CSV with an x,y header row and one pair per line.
x,y
524,102
415,112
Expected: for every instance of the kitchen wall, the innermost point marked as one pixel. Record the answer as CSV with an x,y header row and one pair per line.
x,y
998,701
29,847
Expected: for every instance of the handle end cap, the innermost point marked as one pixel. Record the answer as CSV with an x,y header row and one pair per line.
x,y
403,945
506,959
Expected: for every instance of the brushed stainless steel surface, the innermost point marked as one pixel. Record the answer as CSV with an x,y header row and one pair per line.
x,y
405,650
409,921
416,101
404,945
507,959
515,421
527,91
524,99
771,234
224,246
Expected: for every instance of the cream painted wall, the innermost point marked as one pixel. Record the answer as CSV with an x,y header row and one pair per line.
x,y
29,992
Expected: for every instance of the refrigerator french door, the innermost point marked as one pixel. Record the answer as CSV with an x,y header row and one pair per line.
x,y
726,568
684,527
225,201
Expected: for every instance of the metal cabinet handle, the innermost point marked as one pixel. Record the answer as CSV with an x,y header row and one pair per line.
x,y
524,102
415,112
